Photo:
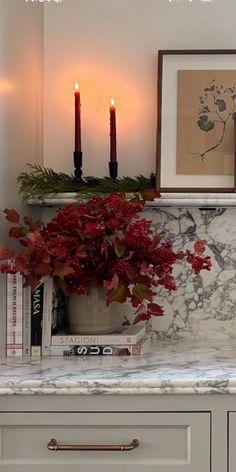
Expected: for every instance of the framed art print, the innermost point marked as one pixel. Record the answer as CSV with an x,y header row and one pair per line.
x,y
196,121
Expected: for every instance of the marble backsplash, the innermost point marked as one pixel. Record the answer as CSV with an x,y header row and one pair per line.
x,y
203,306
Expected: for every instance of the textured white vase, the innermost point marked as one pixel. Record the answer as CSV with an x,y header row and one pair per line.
x,y
89,314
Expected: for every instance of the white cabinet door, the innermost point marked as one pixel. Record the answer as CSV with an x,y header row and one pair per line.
x,y
168,442
232,442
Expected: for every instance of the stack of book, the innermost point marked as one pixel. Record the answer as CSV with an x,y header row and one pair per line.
x,y
37,326
131,341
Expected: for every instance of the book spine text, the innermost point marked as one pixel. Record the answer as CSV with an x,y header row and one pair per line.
x,y
47,316
14,315
71,340
26,321
36,320
115,350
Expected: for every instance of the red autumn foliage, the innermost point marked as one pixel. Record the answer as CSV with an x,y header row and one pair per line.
x,y
6,253
12,215
16,232
104,242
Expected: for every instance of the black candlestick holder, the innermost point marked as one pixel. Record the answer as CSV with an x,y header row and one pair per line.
x,y
113,169
78,165
153,180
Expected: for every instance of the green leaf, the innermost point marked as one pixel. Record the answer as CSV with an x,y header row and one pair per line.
x,y
142,292
40,181
62,270
119,247
119,295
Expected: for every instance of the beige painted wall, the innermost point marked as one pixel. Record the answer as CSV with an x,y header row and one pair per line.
x,y
110,47
21,90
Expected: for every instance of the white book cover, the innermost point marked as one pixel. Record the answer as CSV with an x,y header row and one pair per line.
x,y
14,315
137,349
26,321
3,298
47,315
127,336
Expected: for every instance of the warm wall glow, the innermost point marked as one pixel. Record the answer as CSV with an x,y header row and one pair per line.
x,y
98,83
95,96
5,86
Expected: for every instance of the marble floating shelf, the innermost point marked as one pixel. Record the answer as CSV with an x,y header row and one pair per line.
x,y
179,200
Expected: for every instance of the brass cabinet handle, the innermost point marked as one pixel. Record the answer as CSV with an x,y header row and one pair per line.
x,y
54,445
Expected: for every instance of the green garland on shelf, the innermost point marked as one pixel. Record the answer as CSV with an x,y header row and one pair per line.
x,y
41,181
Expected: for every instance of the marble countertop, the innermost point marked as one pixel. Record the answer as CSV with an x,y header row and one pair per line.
x,y
174,367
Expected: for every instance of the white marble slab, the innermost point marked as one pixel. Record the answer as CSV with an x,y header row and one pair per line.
x,y
194,202
181,200
189,200
204,305
169,368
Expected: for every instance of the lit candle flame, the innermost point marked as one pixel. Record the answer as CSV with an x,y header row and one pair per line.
x,y
112,102
76,86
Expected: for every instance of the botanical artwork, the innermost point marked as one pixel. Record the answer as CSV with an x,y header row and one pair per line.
x,y
206,104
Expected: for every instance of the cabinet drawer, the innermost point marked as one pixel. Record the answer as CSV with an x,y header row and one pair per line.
x,y
169,442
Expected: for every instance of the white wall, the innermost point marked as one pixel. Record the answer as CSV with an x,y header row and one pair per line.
x,y
110,47
21,90
21,108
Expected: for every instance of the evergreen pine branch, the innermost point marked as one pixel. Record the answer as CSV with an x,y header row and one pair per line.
x,y
41,181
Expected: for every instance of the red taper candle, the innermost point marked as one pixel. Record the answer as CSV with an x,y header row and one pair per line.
x,y
113,157
77,119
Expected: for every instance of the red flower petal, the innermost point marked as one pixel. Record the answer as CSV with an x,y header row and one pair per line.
x,y
142,317
21,264
200,247
33,281
43,269
149,194
12,215
35,237
155,309
6,253
16,232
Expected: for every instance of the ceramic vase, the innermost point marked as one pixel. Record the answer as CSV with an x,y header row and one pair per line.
x,y
89,314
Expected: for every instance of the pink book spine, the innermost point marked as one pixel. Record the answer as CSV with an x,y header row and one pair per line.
x,y
14,315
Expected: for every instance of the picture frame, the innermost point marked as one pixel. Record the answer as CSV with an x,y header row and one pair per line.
x,y
196,121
